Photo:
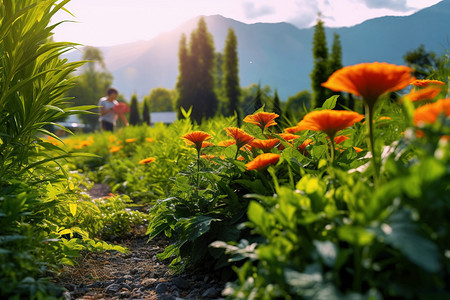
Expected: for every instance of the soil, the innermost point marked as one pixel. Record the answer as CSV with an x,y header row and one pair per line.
x,y
138,274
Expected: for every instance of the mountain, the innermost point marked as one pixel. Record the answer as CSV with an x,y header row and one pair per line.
x,y
276,54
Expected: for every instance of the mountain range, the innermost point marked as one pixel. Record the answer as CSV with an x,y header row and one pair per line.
x,y
276,54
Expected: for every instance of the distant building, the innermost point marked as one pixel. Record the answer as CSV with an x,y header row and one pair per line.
x,y
166,117
73,123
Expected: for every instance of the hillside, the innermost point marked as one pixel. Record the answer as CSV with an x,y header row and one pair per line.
x,y
277,54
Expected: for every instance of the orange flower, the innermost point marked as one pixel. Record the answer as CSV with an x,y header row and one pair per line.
x,y
330,121
149,140
426,82
370,80
240,136
427,93
207,144
262,161
264,145
240,158
262,119
196,138
115,149
112,138
208,156
297,128
428,113
226,143
357,149
130,140
147,160
85,143
289,136
302,147
340,138
384,118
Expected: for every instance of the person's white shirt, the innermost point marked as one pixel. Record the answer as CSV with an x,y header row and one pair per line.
x,y
111,116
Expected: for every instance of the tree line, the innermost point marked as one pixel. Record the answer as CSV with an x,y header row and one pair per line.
x,y
208,81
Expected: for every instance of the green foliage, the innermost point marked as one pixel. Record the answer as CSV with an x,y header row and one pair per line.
x,y
334,236
161,99
321,69
40,207
425,63
297,106
146,113
335,62
196,83
134,111
231,74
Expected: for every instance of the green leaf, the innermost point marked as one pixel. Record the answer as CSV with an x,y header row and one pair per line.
x,y
192,228
355,235
400,232
330,103
73,208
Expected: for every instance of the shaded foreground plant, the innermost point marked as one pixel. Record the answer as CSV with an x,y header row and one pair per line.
x,y
33,82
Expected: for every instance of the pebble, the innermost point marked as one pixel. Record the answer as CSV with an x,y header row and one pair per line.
x,y
113,288
161,288
212,293
181,283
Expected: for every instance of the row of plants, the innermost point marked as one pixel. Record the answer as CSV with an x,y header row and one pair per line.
x,y
341,205
46,217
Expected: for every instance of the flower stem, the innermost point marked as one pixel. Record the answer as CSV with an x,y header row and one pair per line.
x,y
371,142
198,169
332,149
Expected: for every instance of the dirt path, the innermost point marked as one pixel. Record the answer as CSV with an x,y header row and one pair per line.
x,y
134,275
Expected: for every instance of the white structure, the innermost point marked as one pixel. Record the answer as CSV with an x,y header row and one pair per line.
x,y
166,117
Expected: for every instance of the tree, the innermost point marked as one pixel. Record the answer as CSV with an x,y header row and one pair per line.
x,y
276,108
335,64
184,85
258,101
134,111
251,94
161,99
91,85
276,104
231,74
423,62
295,106
320,70
196,84
146,112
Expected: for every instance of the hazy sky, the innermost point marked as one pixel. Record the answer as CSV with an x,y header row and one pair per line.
x,y
111,22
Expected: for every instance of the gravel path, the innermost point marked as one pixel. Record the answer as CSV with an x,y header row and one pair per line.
x,y
134,275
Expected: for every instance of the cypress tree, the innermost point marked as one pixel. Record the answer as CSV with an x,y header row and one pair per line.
x,y
258,102
196,79
146,113
276,108
202,64
183,86
231,74
320,70
134,112
336,64
276,105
